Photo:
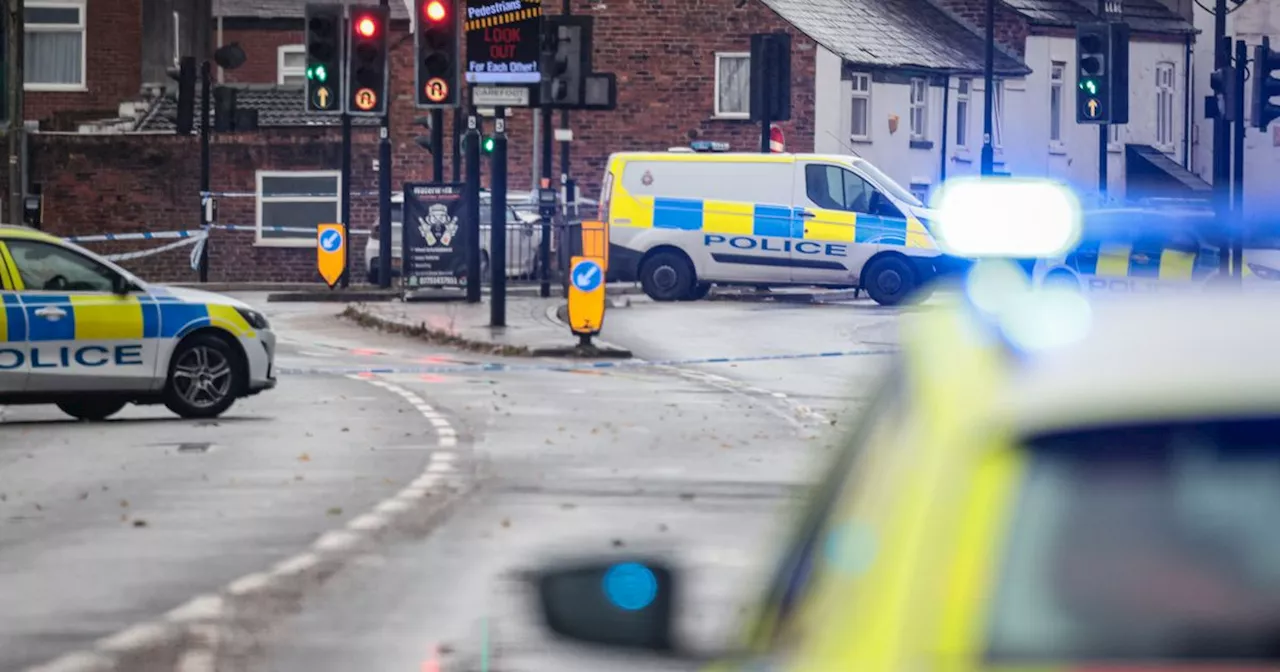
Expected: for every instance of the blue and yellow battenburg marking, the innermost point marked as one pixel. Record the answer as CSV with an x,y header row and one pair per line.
x,y
777,221
112,318
1123,260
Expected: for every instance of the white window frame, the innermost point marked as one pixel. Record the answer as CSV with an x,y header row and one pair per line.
x,y
715,103
307,241
281,71
177,38
919,85
860,93
964,98
61,28
1165,103
1057,79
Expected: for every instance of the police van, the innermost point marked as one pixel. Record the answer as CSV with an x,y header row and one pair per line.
x,y
682,220
83,333
1145,250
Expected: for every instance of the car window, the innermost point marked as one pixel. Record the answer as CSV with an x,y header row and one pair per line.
x,y
834,188
1144,544
46,267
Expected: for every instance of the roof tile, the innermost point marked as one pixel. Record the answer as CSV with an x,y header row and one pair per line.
x,y
277,106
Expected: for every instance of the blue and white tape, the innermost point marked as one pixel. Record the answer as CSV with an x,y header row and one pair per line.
x,y
494,367
196,233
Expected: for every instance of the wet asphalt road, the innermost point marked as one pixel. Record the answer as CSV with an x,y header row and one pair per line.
x,y
566,462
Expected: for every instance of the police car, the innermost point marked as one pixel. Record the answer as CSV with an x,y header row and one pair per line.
x,y
83,333
1037,484
682,220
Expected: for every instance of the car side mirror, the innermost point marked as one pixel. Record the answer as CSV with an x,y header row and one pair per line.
x,y
626,604
121,286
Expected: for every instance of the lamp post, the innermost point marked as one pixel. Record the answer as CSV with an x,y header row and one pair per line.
x,y
989,90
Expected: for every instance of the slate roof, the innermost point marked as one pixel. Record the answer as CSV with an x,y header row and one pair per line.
x,y
892,33
277,106
285,9
1141,15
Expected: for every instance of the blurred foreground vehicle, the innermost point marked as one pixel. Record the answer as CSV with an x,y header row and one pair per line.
x,y
80,332
1039,483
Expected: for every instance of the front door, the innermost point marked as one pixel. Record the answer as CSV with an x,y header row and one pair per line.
x,y
840,230
82,336
13,333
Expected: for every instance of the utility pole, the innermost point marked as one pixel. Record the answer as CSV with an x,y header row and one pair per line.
x,y
1222,132
15,43
1104,130
566,8
206,165
989,92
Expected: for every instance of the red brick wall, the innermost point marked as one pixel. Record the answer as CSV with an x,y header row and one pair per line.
x,y
1011,28
261,50
113,68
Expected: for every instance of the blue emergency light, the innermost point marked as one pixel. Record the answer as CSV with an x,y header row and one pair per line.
x,y
709,146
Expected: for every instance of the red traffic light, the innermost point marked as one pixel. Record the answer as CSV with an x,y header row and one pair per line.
x,y
435,11
366,26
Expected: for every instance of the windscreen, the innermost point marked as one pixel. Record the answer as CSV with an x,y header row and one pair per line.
x,y
1142,544
888,184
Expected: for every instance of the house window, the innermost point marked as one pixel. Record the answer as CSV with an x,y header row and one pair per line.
x,y
296,200
997,114
963,86
860,112
919,108
54,54
291,65
1055,101
1164,106
733,86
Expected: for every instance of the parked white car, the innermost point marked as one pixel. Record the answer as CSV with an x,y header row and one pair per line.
x,y
524,235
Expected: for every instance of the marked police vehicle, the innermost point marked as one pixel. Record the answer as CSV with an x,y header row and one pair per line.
x,y
83,333
682,220
1142,250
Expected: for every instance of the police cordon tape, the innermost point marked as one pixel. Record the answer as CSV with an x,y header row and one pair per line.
x,y
584,366
194,233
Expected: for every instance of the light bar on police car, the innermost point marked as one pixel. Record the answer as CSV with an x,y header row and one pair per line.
x,y
1006,217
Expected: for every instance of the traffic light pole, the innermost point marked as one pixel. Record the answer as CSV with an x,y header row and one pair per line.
x,y
1237,185
456,164
544,246
1221,130
206,89
1103,133
471,147
498,222
384,272
437,145
988,92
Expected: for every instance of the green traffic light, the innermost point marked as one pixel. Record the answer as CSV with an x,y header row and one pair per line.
x,y
1090,85
487,145
318,73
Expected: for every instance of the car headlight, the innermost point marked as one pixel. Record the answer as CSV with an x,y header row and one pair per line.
x,y
254,318
1264,272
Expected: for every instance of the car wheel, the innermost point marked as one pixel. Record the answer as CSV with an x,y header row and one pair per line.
x,y
699,292
890,280
206,375
92,410
373,276
667,276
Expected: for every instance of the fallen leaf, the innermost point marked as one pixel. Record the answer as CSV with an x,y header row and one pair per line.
x,y
139,523
617,543
305,457
84,495
124,503
686,496
506,522
335,511
346,429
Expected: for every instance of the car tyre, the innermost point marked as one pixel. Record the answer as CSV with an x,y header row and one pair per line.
x,y
92,410
206,376
699,292
667,276
890,280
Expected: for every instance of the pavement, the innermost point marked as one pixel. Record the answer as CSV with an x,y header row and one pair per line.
x,y
150,525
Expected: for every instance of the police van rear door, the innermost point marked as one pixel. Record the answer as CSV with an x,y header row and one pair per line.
x,y
82,336
13,332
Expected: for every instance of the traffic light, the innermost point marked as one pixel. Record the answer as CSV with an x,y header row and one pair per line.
x,y
1222,104
770,88
324,58
1266,84
437,46
185,75
486,146
367,64
565,60
1102,73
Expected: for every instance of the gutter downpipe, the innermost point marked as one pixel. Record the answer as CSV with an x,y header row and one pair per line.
x,y
1188,96
946,111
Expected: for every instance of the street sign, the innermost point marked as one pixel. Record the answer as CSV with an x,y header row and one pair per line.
x,y
500,96
366,99
1091,108
777,141
586,295
323,98
435,241
331,252
503,41
436,90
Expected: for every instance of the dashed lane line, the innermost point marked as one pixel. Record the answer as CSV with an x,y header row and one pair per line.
x,y
192,628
